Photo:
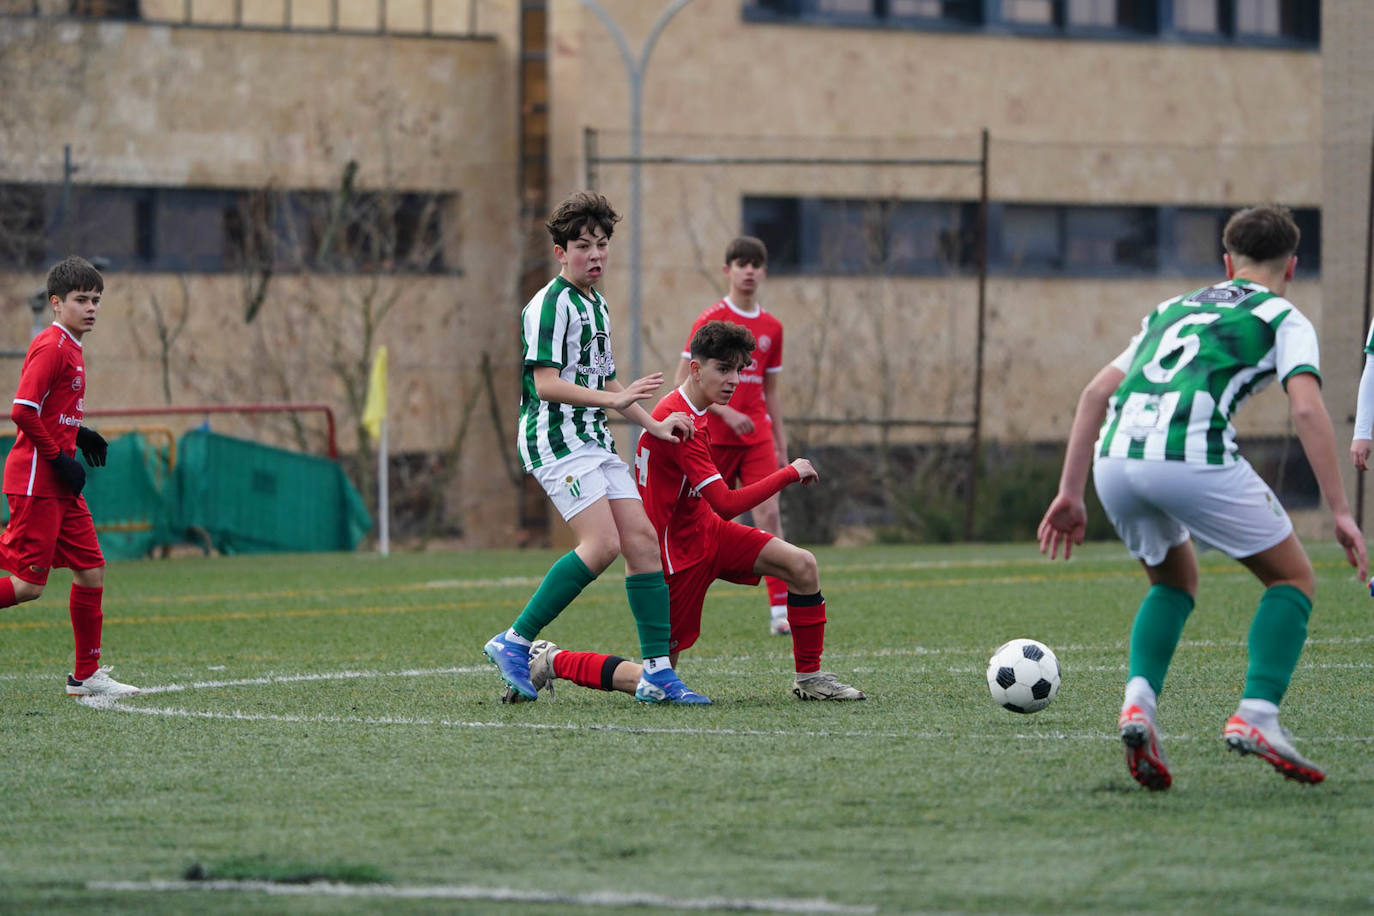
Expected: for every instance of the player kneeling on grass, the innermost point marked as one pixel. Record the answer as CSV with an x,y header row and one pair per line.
x,y
50,524
689,505
1166,468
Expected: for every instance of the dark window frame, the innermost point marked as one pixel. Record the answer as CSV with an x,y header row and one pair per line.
x,y
793,228
201,230
1137,20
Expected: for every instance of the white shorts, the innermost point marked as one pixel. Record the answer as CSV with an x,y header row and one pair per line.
x,y
1156,505
580,479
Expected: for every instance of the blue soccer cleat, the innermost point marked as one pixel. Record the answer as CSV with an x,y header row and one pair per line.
x,y
664,686
513,661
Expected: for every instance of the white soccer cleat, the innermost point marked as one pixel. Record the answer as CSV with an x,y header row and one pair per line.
x,y
1274,745
778,625
100,684
824,686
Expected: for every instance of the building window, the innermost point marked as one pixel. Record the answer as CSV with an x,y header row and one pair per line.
x,y
191,230
1250,21
849,237
1191,239
1110,239
867,12
1264,22
856,237
104,9
1199,16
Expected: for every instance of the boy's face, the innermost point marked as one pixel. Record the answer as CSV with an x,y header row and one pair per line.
x,y
744,276
717,378
77,311
584,260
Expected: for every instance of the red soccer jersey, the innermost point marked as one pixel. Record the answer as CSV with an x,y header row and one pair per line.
x,y
52,382
670,477
748,397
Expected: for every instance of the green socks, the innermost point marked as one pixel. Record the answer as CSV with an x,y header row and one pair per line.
x,y
1277,635
562,583
1155,635
648,594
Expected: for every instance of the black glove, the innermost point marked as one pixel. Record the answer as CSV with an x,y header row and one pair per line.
x,y
93,446
70,470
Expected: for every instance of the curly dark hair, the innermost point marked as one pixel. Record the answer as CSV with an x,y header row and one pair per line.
x,y
579,211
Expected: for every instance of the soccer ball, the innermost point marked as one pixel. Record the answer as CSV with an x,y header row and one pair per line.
x,y
1023,675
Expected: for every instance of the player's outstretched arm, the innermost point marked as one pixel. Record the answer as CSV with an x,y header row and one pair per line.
x,y
1066,519
729,503
1313,426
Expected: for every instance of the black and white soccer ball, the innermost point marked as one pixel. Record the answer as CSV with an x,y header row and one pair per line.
x,y
1023,675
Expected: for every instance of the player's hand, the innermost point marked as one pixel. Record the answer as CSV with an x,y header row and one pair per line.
x,y
739,423
93,446
71,472
1350,537
807,472
638,390
676,427
1359,453
1065,521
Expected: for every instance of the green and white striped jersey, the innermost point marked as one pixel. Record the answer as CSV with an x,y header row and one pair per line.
x,y
1194,362
564,328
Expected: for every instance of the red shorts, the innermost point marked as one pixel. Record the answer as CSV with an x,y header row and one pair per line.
x,y
745,463
47,531
737,549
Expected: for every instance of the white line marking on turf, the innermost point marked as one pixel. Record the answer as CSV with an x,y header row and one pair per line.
x,y
118,705
503,894
298,678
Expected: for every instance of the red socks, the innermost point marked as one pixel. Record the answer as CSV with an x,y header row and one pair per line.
x,y
806,615
586,669
777,591
7,598
86,621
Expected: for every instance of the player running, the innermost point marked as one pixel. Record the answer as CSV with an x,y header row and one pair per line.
x,y
1166,468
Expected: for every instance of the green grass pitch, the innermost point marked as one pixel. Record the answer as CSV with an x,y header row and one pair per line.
x,y
333,716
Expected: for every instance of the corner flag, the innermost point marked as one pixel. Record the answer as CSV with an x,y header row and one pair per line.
x,y
374,408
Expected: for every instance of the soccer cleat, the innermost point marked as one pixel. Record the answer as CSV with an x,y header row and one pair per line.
x,y
100,684
1143,753
541,672
513,661
824,686
1275,745
664,686
778,626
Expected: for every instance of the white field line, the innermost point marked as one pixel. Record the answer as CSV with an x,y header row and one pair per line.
x,y
710,663
119,705
501,894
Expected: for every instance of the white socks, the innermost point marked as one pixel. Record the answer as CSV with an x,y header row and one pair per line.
x,y
1140,693
1258,712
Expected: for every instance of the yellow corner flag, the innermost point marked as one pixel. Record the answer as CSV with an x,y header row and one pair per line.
x,y
374,409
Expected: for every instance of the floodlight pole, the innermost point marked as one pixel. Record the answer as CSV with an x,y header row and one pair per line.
x,y
634,70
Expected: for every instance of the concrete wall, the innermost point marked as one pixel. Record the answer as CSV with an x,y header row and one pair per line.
x,y
1071,121
1348,143
169,106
